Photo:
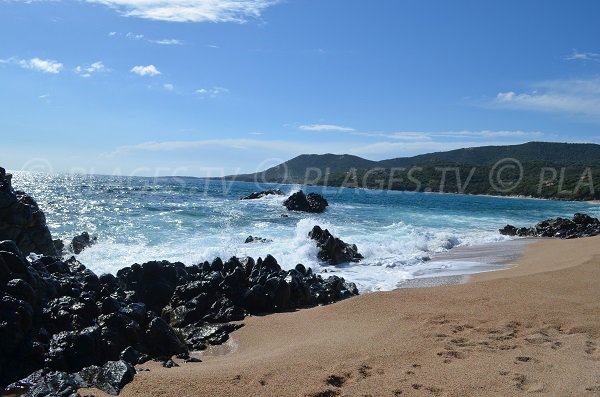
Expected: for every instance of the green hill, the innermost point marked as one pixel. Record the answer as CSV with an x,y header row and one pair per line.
x,y
544,169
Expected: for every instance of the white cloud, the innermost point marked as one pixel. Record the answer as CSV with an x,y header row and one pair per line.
x,y
325,127
87,71
211,92
149,70
573,97
37,64
583,56
139,36
190,10
168,87
44,96
285,147
134,36
167,42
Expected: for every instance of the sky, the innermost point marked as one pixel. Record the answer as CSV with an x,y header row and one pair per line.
x,y
214,87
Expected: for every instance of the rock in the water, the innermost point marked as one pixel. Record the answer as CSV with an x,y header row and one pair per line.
x,y
257,195
311,202
581,225
22,221
81,242
110,378
333,250
252,239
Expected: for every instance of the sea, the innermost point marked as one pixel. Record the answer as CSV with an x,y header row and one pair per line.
x,y
403,236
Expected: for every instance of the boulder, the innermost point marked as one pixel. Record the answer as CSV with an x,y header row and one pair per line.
x,y
252,239
311,202
581,225
257,195
110,377
22,221
81,242
333,250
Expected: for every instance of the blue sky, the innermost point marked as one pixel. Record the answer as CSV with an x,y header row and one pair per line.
x,y
205,87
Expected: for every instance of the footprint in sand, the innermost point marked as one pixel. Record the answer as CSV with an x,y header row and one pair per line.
x,y
337,380
590,347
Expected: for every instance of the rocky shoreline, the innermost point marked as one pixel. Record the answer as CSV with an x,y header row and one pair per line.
x,y
581,225
66,328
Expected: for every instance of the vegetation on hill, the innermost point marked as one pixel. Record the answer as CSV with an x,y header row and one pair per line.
x,y
535,169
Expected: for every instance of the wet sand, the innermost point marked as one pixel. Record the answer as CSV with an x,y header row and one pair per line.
x,y
533,328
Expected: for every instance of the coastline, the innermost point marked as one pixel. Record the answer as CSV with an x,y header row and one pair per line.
x,y
529,328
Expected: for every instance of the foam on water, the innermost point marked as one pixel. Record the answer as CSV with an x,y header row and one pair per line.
x,y
193,220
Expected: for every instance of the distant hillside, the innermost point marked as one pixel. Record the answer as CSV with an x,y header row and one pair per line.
x,y
431,172
549,152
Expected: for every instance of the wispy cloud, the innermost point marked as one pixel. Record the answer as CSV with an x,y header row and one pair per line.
x,y
37,64
167,42
278,146
89,70
574,97
211,92
583,56
141,37
238,11
168,87
149,70
325,128
422,136
44,96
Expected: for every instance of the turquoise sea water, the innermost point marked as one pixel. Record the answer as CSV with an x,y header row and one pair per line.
x,y
192,220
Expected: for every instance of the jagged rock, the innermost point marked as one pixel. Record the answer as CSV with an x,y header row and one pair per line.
x,y
81,242
110,377
311,202
162,340
252,239
153,283
581,225
57,315
44,383
22,221
133,356
333,250
257,195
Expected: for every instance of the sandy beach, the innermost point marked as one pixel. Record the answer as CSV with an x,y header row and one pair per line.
x,y
533,328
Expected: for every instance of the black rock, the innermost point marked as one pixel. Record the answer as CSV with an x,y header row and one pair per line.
x,y
133,356
311,202
22,221
192,360
256,300
581,225
169,363
251,239
81,242
333,250
161,340
44,383
110,378
257,195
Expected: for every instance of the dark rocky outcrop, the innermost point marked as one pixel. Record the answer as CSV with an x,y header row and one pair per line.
x,y
253,239
81,242
110,378
22,221
257,195
62,327
311,202
333,250
581,225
